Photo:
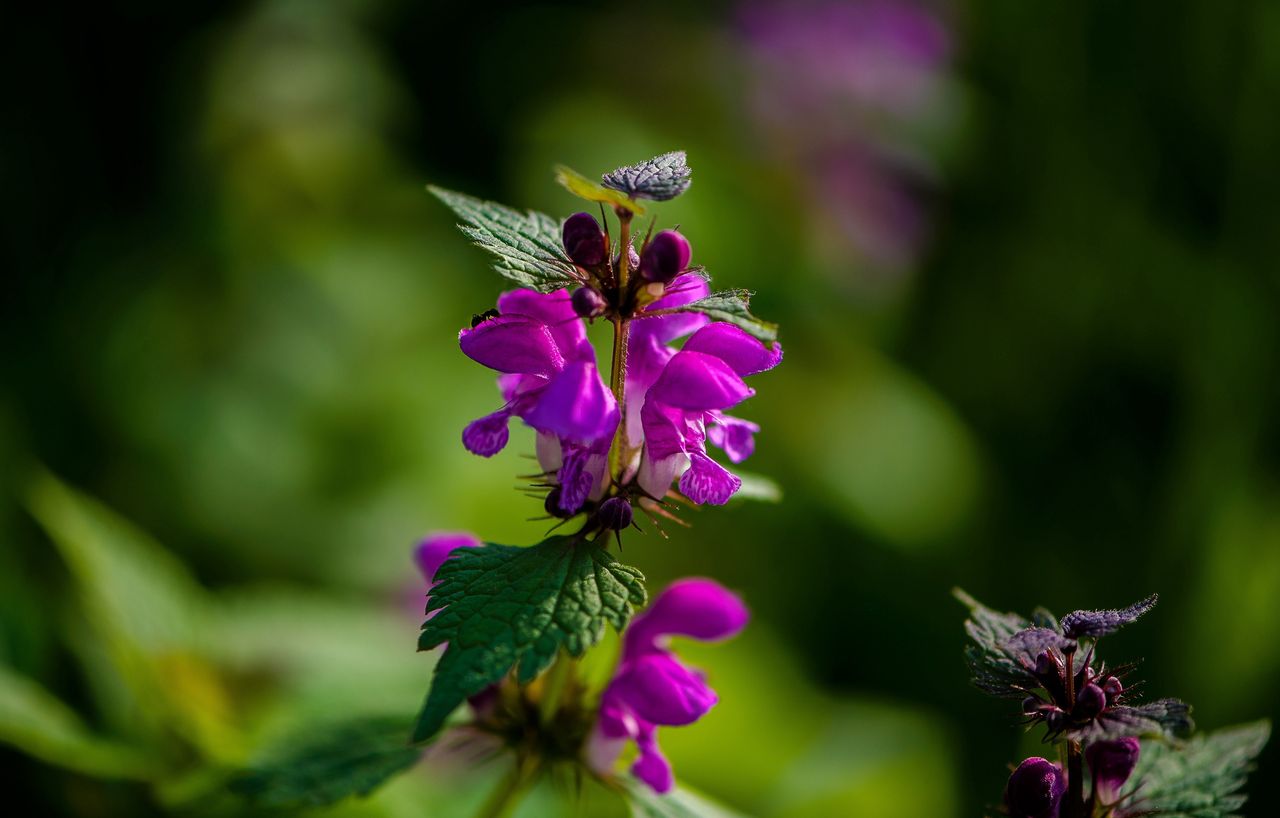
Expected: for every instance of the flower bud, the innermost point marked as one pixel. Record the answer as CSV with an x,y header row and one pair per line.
x,y
1113,688
1035,789
615,513
1031,704
1111,763
588,302
552,504
1090,701
665,257
584,240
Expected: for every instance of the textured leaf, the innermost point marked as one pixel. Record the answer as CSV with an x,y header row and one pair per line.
x,y
351,758
1096,624
36,722
733,306
1200,779
994,670
1025,645
679,803
502,607
660,178
1163,717
584,188
527,244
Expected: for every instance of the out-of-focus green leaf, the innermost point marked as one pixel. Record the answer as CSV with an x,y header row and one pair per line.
x,y
527,244
502,607
39,724
757,487
330,764
584,188
734,306
679,803
1199,779
660,178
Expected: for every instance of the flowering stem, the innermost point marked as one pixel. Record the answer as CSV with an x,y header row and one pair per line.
x,y
1074,807
505,798
621,335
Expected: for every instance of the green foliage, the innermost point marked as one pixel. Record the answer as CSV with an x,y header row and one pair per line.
x,y
679,803
527,244
502,607
1199,779
993,670
584,188
660,178
36,722
329,764
734,306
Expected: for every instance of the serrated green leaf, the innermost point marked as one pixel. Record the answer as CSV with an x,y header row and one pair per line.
x,y
679,803
527,244
584,188
660,178
1199,779
502,607
330,764
36,722
733,306
993,670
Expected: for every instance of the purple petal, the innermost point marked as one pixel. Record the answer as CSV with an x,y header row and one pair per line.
x,y
699,608
735,436
646,358
745,354
575,481
667,430
514,344
707,481
698,382
488,435
1112,763
435,549
576,405
553,309
655,475
660,690
652,766
682,290
1035,789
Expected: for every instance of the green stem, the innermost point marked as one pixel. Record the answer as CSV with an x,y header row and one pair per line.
x,y
621,335
553,687
505,798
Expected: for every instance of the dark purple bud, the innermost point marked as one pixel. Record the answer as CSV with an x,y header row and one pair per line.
x,y
1112,763
588,302
1113,688
1090,701
1056,720
1035,789
552,504
584,240
1048,665
666,256
615,513
1032,704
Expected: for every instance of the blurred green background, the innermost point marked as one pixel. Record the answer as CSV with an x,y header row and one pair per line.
x,y
1024,257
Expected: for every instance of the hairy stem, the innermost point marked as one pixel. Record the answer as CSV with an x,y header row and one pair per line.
x,y
1074,806
506,797
621,335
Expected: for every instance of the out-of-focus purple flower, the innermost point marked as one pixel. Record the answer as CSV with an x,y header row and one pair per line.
x,y
549,380
841,88
1111,763
431,553
693,389
1035,789
651,686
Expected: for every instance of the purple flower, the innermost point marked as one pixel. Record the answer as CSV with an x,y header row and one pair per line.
x,y
651,686
692,390
1035,789
1111,763
549,381
431,553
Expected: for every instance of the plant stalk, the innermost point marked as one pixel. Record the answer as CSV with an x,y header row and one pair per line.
x,y
621,336
1074,806
505,798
